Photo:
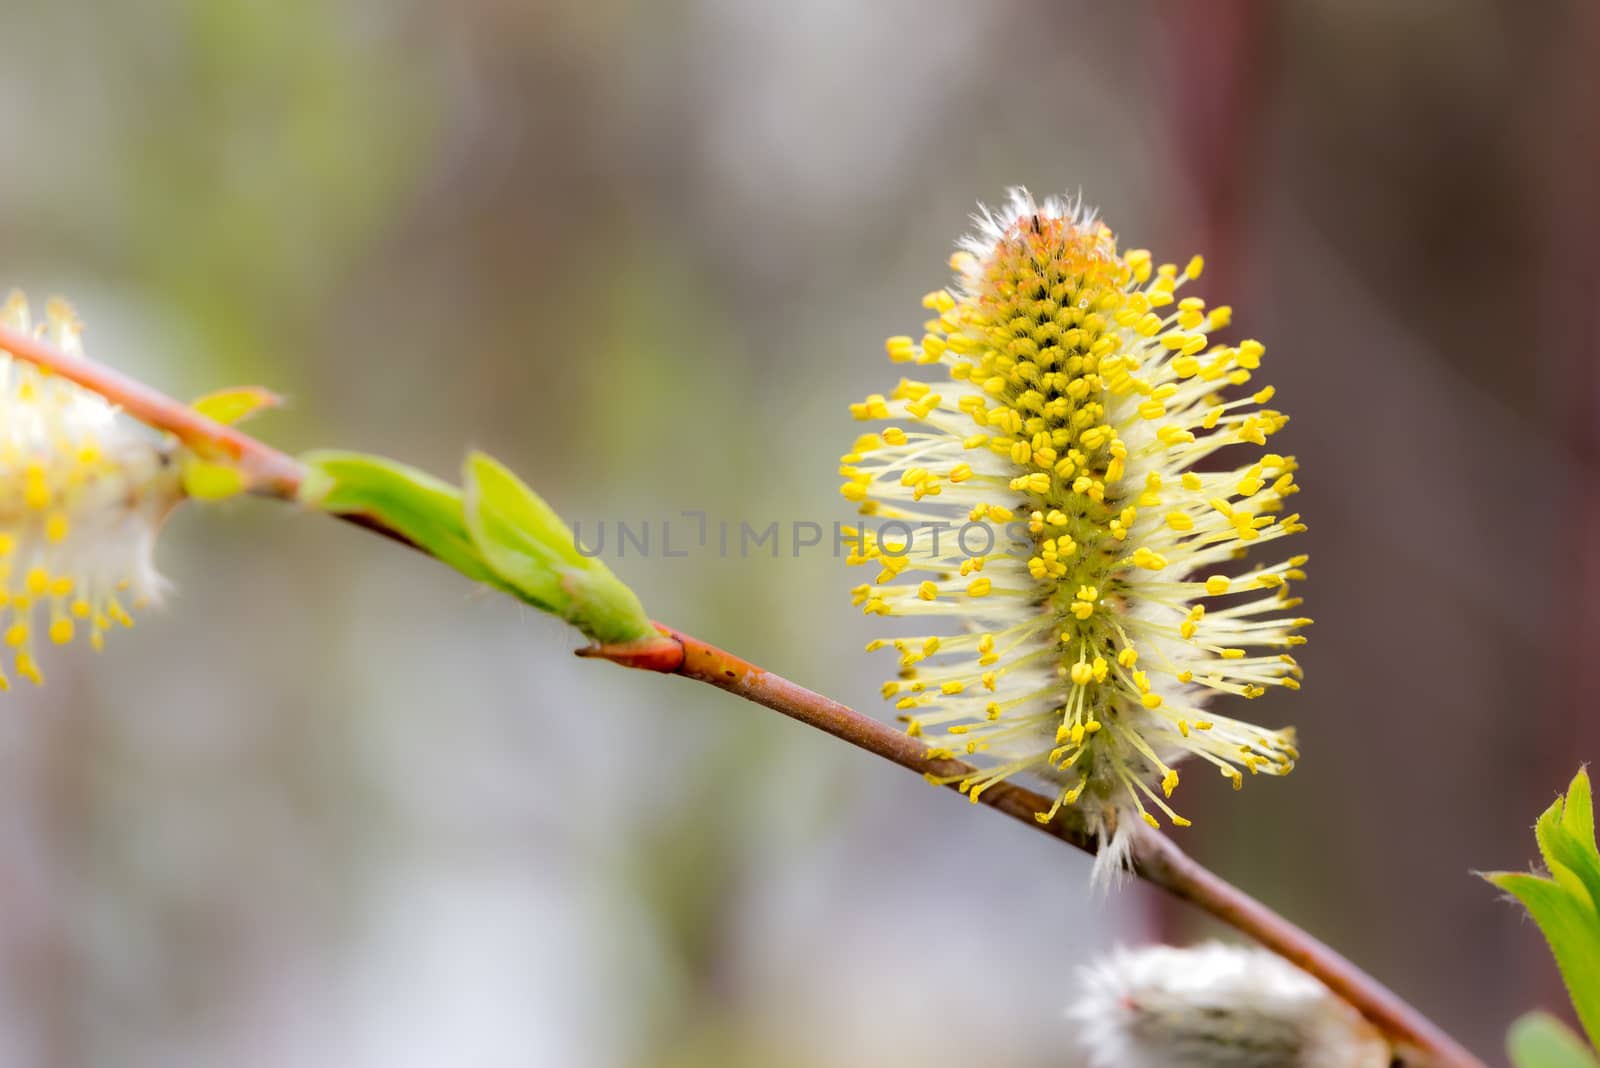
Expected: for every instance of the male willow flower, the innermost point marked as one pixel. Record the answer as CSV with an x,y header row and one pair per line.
x,y
82,495
1216,1006
1053,484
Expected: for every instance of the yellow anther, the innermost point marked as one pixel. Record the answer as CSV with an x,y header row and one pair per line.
x,y
1150,561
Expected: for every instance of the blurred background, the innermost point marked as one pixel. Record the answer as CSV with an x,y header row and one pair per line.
x,y
331,806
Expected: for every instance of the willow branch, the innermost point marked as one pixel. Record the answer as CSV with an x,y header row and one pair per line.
x,y
1155,858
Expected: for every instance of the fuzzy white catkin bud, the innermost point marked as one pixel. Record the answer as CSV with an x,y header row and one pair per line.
x,y
83,493
1215,1006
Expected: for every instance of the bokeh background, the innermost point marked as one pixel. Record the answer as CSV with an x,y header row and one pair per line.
x,y
331,806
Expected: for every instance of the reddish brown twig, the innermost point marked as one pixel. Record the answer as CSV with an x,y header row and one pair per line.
x,y
1156,859
266,469
706,663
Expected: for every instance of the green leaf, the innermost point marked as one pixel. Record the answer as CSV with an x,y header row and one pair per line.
x,y
1539,1040
1582,864
205,480
1565,904
1565,833
1578,818
534,553
425,509
229,406
1545,831
497,531
1572,929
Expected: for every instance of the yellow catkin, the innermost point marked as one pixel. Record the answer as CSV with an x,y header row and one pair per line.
x,y
1078,407
81,494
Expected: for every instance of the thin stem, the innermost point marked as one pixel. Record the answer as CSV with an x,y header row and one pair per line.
x,y
708,664
268,471
1156,859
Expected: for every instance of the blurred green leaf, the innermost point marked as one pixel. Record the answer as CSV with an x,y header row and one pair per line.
x,y
523,540
423,508
229,406
1539,1040
1564,905
205,480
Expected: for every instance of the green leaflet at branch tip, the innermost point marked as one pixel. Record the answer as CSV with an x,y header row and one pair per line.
x,y
532,551
1564,904
425,509
1539,1040
497,531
